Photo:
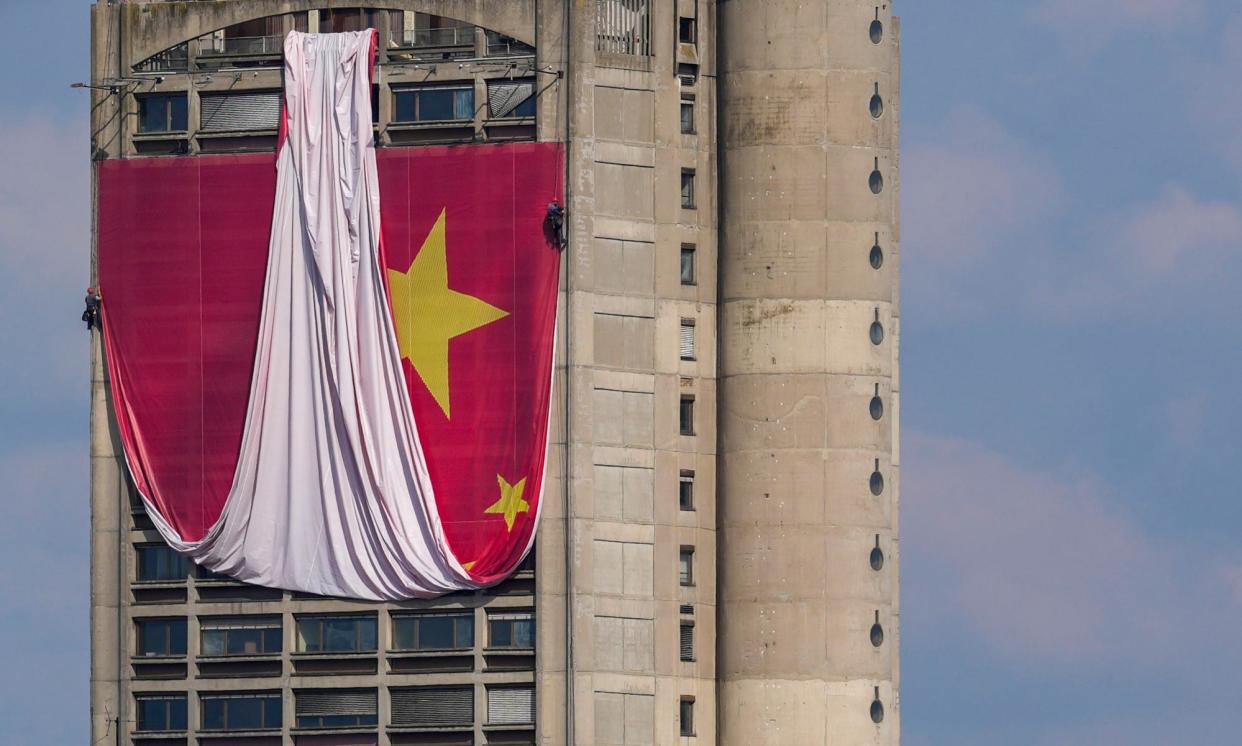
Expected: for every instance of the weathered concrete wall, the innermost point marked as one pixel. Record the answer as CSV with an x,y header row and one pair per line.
x,y
799,516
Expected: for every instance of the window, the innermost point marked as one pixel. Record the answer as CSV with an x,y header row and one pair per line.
x,y
685,715
687,641
511,99
687,264
685,490
514,630
335,708
510,705
163,112
686,565
161,712
623,27
687,339
425,706
687,188
686,30
161,637
433,632
687,115
158,563
687,74
438,104
249,711
686,415
249,110
240,636
336,634
347,19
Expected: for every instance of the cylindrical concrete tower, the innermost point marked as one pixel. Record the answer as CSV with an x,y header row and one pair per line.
x,y
808,606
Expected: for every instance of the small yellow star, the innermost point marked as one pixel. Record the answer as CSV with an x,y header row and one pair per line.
x,y
428,313
510,502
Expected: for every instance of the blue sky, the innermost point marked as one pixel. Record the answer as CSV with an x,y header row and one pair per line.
x,y
1072,205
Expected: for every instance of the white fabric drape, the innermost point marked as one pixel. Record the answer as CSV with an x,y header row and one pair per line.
x,y
331,493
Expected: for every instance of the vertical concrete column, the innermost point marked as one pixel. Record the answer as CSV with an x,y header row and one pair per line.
x,y
808,183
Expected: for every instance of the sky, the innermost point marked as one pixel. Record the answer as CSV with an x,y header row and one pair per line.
x,y
1071,177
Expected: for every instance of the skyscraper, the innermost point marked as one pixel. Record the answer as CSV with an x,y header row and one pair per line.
x,y
716,560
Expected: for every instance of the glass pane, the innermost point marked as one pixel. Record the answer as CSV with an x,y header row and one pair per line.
x,y
308,636
245,714
152,114
463,104
687,117
435,633
687,266
176,714
214,641
151,714
524,634
465,631
213,714
340,635
434,106
403,634
176,633
273,639
178,113
366,634
502,634
271,712
405,106
525,109
245,641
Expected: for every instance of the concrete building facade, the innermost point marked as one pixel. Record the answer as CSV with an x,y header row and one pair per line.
x,y
717,558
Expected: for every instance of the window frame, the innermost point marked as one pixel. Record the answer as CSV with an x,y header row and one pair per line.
x,y
168,698
514,617
264,696
417,618
341,720
685,490
688,196
685,705
684,625
418,90
170,114
685,415
141,625
685,567
690,23
687,105
166,552
322,619
263,623
684,324
691,251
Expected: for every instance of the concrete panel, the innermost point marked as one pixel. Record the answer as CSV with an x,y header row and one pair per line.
x,y
624,191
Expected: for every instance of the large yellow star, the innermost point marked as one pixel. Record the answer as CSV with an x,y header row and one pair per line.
x,y
510,502
428,313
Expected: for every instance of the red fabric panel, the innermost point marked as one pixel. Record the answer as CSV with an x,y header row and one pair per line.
x,y
182,255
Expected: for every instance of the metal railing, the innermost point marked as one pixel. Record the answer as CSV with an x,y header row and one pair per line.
x,y
457,36
244,45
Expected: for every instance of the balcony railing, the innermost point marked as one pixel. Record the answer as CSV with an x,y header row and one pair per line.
x,y
419,38
244,46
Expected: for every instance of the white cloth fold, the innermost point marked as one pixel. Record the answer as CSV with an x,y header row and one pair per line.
x,y
331,494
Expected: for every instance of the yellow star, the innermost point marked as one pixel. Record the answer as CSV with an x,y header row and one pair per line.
x,y
510,502
428,314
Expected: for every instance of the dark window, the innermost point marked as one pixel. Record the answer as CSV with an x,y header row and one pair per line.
x,y
336,634
241,636
687,264
158,712
687,74
250,711
686,565
161,637
441,104
687,116
158,563
433,632
686,415
686,716
515,630
685,490
336,708
162,112
686,30
687,188
347,19
687,641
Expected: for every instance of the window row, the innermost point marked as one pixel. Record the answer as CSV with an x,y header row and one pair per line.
x,y
412,707
333,634
260,110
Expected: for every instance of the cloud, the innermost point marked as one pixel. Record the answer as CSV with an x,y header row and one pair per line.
x,y
1048,570
970,189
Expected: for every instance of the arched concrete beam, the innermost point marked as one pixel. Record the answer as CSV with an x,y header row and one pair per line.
x,y
153,27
